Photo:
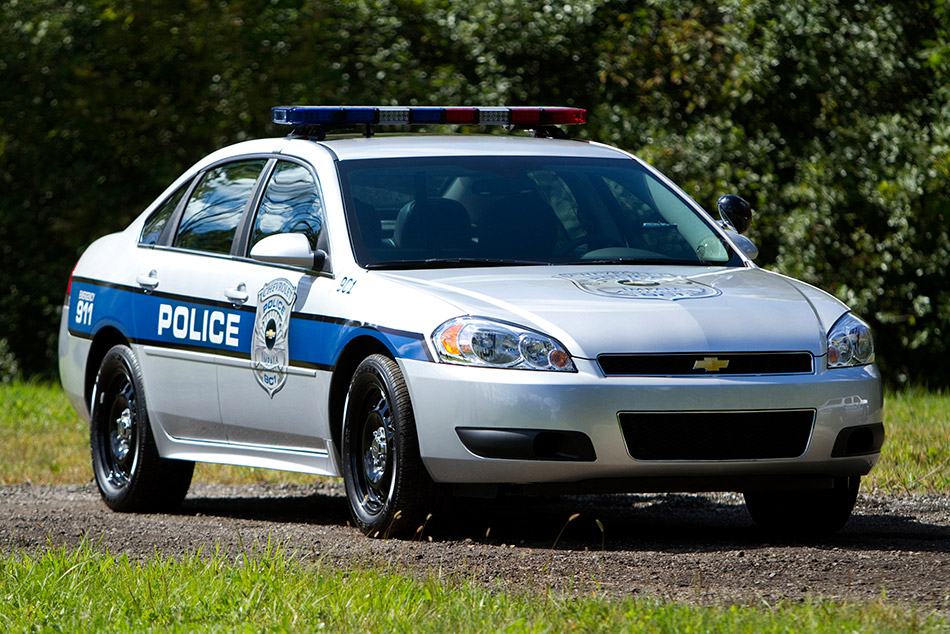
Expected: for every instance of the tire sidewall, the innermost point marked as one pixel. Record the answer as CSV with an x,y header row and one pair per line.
x,y
118,361
804,513
380,372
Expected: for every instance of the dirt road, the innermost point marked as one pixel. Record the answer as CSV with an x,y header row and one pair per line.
x,y
700,548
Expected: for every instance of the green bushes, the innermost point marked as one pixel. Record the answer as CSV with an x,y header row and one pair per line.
x,y
831,118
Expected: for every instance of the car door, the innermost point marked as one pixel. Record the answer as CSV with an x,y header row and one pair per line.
x,y
185,320
273,393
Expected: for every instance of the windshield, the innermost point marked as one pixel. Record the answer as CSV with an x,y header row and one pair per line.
x,y
517,210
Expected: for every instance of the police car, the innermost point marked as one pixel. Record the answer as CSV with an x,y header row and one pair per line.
x,y
466,314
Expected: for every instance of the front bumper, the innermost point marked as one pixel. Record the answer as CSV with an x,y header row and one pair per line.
x,y
447,398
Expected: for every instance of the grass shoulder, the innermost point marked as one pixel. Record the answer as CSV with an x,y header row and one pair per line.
x,y
916,454
86,589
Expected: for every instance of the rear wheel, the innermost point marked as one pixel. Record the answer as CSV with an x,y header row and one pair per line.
x,y
804,513
387,485
130,474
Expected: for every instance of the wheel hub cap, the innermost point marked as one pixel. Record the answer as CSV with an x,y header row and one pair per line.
x,y
121,436
377,456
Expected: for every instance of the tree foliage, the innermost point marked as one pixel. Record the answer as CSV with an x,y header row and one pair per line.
x,y
833,118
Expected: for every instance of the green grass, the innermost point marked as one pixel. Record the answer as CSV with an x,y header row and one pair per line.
x,y
916,455
44,442
88,589
41,438
85,589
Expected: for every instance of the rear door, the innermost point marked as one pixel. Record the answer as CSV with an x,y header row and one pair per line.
x,y
185,319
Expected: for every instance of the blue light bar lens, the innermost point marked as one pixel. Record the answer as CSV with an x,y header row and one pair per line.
x,y
425,115
304,115
320,116
360,115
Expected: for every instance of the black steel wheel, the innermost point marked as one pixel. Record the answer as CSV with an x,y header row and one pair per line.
x,y
804,513
387,485
130,474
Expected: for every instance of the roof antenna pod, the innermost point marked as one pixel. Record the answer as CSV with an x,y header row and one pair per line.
x,y
308,131
550,132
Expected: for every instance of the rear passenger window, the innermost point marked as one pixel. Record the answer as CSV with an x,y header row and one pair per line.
x,y
155,224
291,204
215,207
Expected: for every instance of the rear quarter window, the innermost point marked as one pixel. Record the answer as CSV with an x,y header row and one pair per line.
x,y
156,222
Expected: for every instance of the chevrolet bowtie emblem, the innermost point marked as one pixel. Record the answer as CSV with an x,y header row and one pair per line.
x,y
711,364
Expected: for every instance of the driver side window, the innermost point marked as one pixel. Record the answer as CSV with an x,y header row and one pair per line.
x,y
216,206
291,204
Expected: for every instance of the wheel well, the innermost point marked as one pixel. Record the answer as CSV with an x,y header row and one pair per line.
x,y
104,340
346,365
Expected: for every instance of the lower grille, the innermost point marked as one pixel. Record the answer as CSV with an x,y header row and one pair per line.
x,y
759,435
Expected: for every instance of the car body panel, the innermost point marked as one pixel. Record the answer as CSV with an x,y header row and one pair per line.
x,y
682,309
209,400
436,146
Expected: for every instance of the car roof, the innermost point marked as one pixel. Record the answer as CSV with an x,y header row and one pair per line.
x,y
420,146
415,145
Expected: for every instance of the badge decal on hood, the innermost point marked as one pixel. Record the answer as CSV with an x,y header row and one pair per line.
x,y
269,350
639,285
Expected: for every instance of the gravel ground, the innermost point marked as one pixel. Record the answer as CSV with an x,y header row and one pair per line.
x,y
698,548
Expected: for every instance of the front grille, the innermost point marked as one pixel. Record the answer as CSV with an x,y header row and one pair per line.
x,y
705,363
759,435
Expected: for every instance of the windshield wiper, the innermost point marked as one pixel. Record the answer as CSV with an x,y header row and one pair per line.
x,y
670,261
450,263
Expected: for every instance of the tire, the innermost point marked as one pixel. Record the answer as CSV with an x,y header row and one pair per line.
x,y
387,486
804,513
130,474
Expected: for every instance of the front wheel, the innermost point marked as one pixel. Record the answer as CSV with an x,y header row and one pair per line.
x,y
387,486
130,474
804,513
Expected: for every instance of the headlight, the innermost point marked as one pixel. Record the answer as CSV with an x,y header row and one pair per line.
x,y
849,343
483,342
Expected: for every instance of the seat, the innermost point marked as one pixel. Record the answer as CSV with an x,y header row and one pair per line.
x,y
433,224
518,225
370,227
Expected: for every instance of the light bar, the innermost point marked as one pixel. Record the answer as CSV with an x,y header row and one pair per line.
x,y
339,116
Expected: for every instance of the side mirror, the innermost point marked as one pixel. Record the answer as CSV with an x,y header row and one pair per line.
x,y
744,244
291,249
735,212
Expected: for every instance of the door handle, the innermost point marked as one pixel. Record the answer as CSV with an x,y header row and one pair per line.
x,y
237,295
148,282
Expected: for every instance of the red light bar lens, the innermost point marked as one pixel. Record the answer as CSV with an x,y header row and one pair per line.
x,y
564,116
548,116
525,116
461,115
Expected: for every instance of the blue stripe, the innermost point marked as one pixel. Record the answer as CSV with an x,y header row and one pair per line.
x,y
218,327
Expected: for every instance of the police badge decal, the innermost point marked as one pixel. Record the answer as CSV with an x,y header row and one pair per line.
x,y
640,285
270,354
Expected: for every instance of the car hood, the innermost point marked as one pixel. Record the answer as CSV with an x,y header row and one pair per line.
x,y
624,309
